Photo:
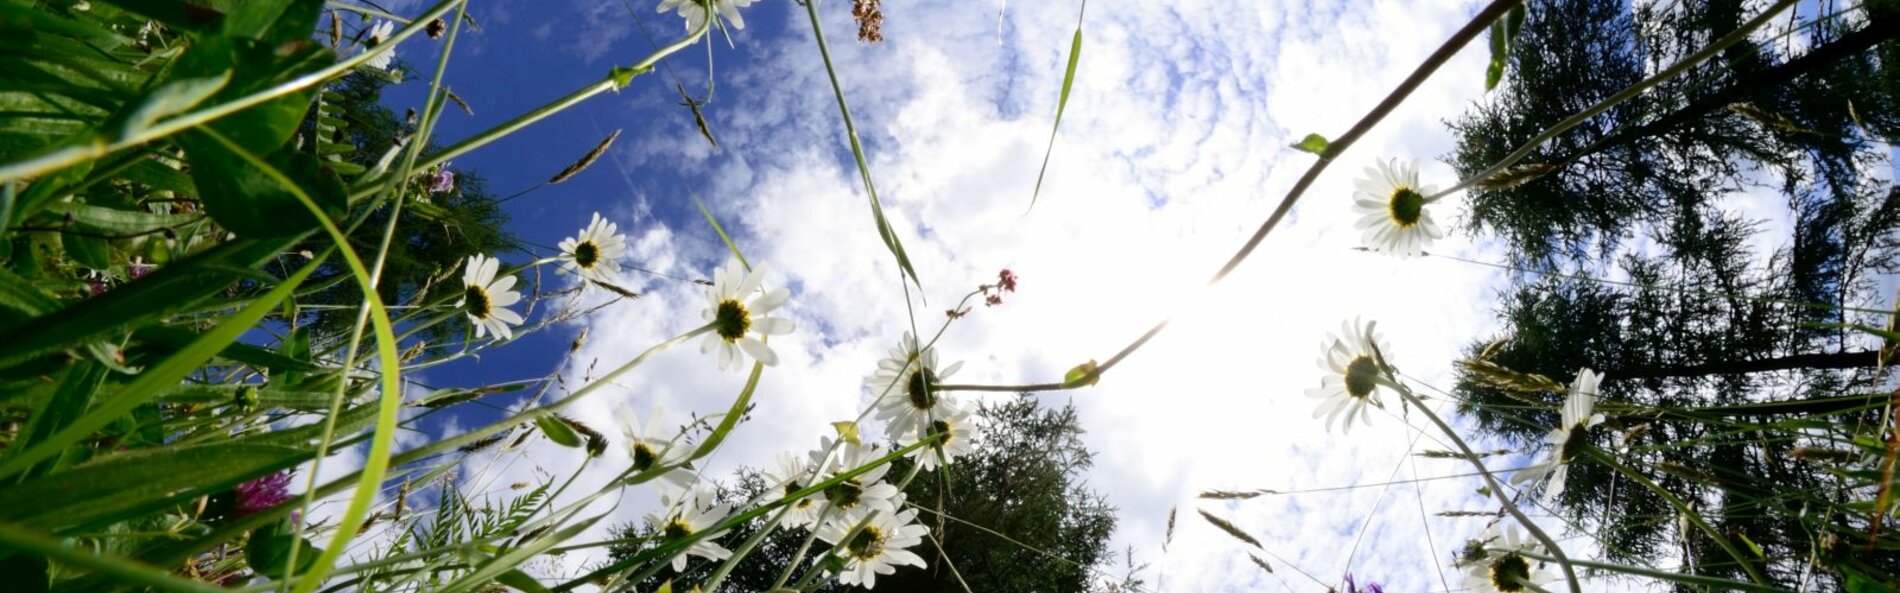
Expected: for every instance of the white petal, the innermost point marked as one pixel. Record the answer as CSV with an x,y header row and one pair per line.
x,y
759,351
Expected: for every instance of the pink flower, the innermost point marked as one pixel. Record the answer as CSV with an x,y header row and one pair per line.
x,y
262,493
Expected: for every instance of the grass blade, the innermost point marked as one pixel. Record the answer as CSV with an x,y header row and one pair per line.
x,y
1062,103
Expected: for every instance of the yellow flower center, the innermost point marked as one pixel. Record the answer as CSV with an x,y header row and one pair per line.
x,y
1407,206
677,529
586,255
923,389
731,320
1362,375
475,299
643,457
868,544
1510,573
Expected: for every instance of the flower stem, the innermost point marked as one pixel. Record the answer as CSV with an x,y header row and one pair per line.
x,y
1497,490
1606,459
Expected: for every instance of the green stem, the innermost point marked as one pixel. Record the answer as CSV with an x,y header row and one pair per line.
x,y
1714,583
1497,490
1606,459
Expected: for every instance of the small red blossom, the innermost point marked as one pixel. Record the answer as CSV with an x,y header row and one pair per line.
x,y
1006,280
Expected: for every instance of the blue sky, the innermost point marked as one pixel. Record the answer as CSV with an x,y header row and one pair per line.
x,y
1173,149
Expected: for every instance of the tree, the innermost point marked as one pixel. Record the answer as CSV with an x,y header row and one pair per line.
x,y
1023,483
436,232
1720,360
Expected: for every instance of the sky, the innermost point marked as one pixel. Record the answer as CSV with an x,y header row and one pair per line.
x,y
1173,148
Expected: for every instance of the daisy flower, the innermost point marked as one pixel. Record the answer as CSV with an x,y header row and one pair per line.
x,y
486,298
854,493
1392,212
793,474
958,433
1354,376
696,11
1494,563
879,548
1569,437
906,385
650,447
595,252
686,516
734,319
377,35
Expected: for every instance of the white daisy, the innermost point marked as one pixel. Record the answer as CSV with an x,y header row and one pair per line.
x,y
1354,376
486,298
906,385
696,11
377,35
794,473
734,319
1392,209
687,515
958,434
595,253
854,493
879,548
1494,563
649,447
1567,439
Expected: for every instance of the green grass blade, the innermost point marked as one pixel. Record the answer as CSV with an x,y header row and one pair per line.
x,y
721,230
1062,103
376,463
884,230
159,377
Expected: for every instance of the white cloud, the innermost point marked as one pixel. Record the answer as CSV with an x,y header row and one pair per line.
x,y
1173,149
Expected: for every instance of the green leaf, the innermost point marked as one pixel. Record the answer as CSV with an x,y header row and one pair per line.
x,y
1082,374
75,394
171,288
1856,581
558,431
268,551
1313,143
520,581
129,483
624,76
1503,32
166,373
723,237
256,66
87,250
171,98
248,202
1062,102
114,222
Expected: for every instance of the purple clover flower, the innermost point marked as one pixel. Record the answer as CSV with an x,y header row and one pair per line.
x,y
262,493
443,181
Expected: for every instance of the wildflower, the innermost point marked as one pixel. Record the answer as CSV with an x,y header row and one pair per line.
x,y
486,298
1371,587
906,385
957,431
1569,437
733,320
650,449
1495,563
377,35
138,268
443,181
697,11
1355,376
595,253
262,493
870,20
1392,209
793,474
879,548
686,516
852,493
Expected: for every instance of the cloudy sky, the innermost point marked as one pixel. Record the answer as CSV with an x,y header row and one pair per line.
x,y
1173,149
